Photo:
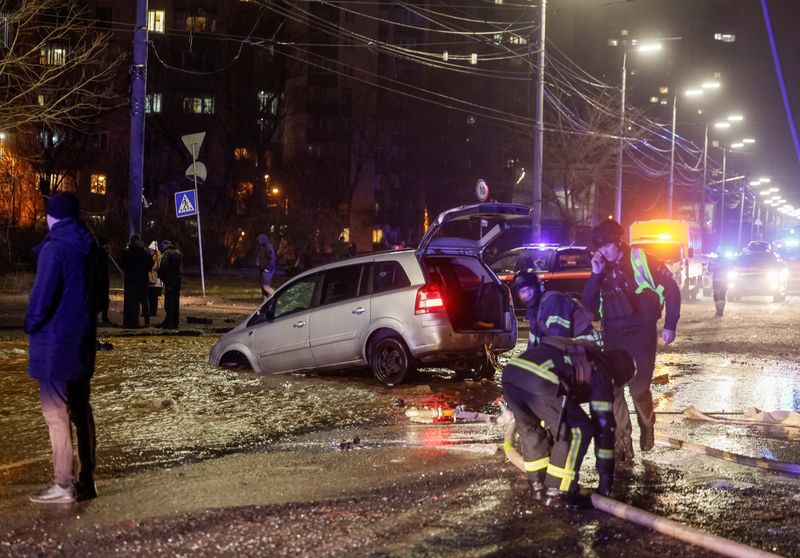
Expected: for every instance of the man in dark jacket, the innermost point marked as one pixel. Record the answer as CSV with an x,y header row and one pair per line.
x,y
138,264
170,274
61,322
628,288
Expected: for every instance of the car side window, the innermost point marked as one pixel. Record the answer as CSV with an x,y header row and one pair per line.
x,y
506,264
387,276
341,283
296,297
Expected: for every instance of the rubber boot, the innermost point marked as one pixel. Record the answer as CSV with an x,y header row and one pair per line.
x,y
720,306
623,451
647,420
606,482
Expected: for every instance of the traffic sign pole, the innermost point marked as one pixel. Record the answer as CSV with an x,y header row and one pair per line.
x,y
195,148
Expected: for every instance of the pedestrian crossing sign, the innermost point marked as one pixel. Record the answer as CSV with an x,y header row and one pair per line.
x,y
185,203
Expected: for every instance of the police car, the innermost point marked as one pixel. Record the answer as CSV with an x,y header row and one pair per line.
x,y
560,268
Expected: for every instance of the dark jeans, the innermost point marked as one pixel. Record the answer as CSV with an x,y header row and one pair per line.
x,y
172,297
64,403
152,294
135,304
641,343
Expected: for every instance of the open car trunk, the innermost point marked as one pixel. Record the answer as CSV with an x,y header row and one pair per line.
x,y
474,300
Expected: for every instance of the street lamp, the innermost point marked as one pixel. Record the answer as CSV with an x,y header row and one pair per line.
x,y
691,92
722,125
644,48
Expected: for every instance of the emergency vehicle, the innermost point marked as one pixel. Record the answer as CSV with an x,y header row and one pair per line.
x,y
677,244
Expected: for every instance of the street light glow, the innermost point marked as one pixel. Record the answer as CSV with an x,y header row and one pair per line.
x,y
693,92
748,140
765,180
722,125
737,145
711,85
735,118
755,183
774,189
764,193
650,47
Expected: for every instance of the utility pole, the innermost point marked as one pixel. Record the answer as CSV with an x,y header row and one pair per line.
x,y
722,196
701,214
741,216
671,189
618,193
138,71
538,128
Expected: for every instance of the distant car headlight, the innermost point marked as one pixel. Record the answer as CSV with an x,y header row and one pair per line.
x,y
732,275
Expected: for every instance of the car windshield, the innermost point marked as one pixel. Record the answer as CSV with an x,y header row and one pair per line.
x,y
756,259
667,252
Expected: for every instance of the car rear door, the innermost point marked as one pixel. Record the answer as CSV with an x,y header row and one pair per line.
x,y
340,323
282,343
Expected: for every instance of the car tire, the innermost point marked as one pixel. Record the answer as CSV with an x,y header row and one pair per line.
x,y
390,360
233,360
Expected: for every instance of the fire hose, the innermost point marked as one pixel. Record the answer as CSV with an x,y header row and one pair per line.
x,y
657,523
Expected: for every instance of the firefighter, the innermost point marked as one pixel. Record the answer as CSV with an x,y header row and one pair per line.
x,y
528,289
629,289
544,388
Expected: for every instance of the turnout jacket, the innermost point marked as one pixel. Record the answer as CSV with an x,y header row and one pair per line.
x,y
643,301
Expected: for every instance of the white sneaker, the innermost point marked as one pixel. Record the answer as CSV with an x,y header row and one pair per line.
x,y
54,494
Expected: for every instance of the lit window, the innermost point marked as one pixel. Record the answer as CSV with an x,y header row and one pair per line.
x,y
473,59
517,40
663,89
41,100
653,99
53,55
98,184
345,234
498,2
725,37
153,103
200,24
198,105
155,21
97,220
241,153
377,236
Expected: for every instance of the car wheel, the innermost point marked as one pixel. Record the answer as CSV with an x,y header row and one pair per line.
x,y
233,360
390,360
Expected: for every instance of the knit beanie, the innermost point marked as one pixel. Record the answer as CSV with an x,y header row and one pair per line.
x,y
63,205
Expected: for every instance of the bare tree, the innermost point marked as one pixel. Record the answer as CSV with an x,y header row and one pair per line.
x,y
55,66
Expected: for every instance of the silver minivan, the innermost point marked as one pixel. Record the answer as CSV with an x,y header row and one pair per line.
x,y
438,305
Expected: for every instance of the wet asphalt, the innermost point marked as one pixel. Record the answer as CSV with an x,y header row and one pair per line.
x,y
202,461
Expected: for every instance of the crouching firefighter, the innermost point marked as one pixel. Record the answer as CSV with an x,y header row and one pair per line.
x,y
544,388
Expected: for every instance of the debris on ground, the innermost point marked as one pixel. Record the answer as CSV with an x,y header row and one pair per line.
x,y
660,379
104,345
347,445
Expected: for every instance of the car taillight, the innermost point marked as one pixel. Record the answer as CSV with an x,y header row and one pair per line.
x,y
429,300
506,277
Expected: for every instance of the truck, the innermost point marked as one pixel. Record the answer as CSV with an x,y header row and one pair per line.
x,y
678,245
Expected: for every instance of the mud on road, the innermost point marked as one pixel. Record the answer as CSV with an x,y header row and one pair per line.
x,y
200,460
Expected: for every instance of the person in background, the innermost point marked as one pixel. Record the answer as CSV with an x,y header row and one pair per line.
x,y
528,289
720,267
137,266
266,261
61,323
103,286
170,273
154,284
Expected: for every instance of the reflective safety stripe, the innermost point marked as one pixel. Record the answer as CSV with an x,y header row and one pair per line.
x,y
566,476
538,465
604,453
508,445
642,276
558,320
595,337
567,360
533,338
600,406
542,370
